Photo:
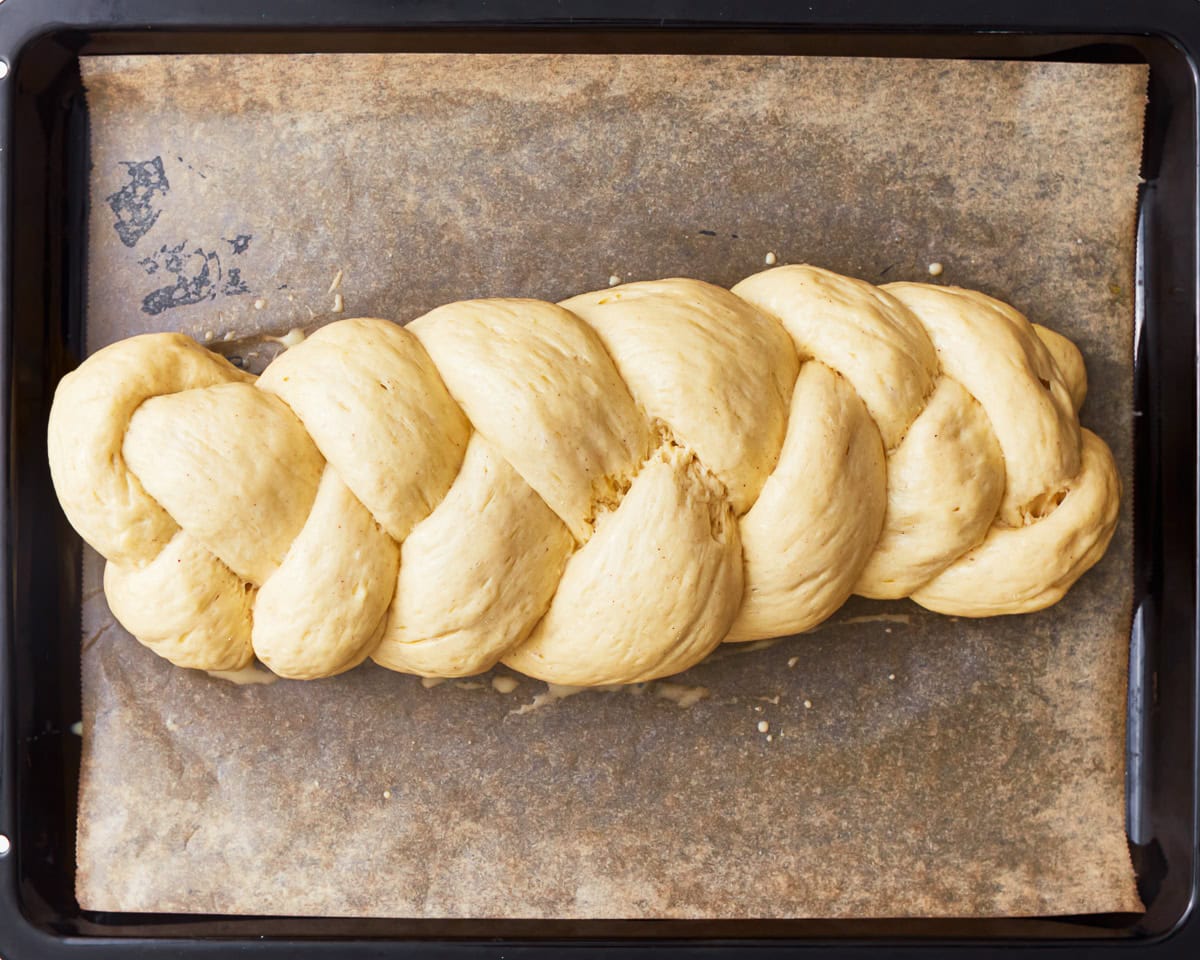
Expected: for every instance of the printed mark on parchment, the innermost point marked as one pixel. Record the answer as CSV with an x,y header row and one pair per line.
x,y
234,284
133,204
197,271
198,277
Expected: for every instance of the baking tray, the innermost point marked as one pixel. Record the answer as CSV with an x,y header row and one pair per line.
x,y
43,169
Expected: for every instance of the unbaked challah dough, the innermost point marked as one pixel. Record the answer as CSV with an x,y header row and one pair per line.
x,y
598,491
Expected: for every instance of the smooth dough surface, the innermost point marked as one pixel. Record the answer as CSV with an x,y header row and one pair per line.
x,y
185,605
319,615
598,491
106,503
708,365
370,398
535,380
993,351
858,330
653,591
1069,361
214,459
944,484
1028,568
469,591
819,514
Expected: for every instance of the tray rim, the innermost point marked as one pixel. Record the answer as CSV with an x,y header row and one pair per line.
x,y
144,26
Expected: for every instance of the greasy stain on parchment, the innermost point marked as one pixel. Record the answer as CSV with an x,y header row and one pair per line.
x,y
917,764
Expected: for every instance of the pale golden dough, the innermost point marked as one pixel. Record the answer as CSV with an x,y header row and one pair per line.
x,y
370,397
185,605
654,590
708,365
320,612
232,466
944,484
92,406
537,383
819,514
594,492
1069,361
992,350
868,337
1022,569
469,590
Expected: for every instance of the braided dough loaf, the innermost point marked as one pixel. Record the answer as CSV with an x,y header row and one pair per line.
x,y
599,491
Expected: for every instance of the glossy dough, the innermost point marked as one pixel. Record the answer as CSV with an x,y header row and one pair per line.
x,y
599,491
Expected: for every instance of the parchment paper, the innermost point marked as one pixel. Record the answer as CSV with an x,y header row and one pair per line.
x,y
914,764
